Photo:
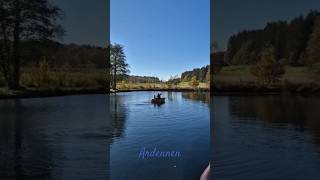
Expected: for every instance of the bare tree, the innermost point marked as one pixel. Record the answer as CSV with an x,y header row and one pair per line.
x,y
119,66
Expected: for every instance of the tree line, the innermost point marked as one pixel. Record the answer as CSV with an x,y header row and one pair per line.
x,y
200,74
294,43
59,55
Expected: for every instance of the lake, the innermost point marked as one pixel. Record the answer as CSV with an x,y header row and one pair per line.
x,y
266,137
101,137
181,124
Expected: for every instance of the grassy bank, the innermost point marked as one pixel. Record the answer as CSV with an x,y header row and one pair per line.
x,y
239,79
56,83
34,93
161,86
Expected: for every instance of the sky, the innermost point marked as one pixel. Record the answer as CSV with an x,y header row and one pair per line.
x,y
85,21
162,38
232,16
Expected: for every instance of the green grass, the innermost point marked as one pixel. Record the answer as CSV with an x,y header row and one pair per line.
x,y
58,79
242,73
148,86
239,78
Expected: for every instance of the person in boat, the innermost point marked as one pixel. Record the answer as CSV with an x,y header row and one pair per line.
x,y
159,96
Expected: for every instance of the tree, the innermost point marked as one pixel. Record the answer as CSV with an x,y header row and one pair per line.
x,y
313,48
119,66
267,70
194,82
23,20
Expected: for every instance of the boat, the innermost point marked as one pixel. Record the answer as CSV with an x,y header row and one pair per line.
x,y
158,100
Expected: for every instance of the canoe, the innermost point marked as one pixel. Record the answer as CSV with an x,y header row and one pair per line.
x,y
158,100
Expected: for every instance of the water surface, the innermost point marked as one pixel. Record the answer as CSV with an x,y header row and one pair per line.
x,y
266,137
100,136
181,124
55,138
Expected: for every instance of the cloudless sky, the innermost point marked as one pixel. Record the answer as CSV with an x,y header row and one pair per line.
x,y
162,37
232,16
85,21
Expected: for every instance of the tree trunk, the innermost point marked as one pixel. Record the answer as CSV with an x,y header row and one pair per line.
x,y
5,55
115,78
115,74
15,84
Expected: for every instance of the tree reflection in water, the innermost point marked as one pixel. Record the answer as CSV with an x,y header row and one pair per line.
x,y
301,112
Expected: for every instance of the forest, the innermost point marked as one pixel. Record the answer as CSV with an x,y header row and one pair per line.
x,y
201,74
59,55
294,42
282,56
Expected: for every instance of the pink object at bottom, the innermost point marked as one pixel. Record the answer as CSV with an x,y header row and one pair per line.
x,y
206,174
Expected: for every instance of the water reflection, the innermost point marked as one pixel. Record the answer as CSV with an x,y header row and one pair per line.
x,y
55,138
72,137
265,137
180,124
300,112
118,113
23,151
197,96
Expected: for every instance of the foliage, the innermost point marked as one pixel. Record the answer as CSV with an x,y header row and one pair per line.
x,y
289,39
267,70
194,82
119,66
199,73
217,61
44,77
142,79
313,49
22,21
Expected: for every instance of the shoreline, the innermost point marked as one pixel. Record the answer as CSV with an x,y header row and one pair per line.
x,y
42,93
256,91
163,89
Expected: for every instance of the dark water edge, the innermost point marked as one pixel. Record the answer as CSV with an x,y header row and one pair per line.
x,y
40,93
255,89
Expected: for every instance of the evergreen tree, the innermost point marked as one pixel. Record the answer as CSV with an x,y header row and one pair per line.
x,y
22,20
313,48
267,70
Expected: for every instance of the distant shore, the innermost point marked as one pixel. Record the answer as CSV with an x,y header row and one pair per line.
x,y
40,93
220,91
163,89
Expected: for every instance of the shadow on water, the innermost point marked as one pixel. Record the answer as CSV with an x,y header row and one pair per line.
x,y
24,153
59,138
118,115
300,112
265,137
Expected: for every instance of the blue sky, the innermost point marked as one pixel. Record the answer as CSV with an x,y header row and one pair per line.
x,y
84,21
162,37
